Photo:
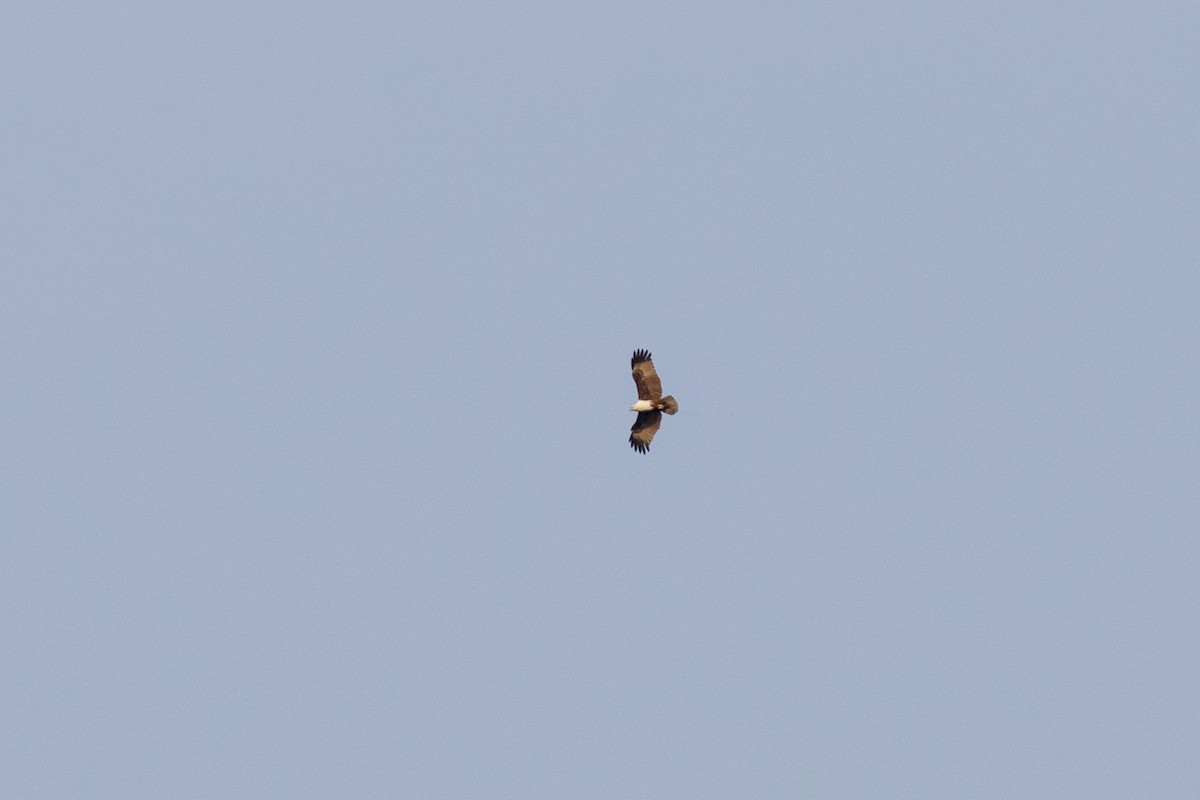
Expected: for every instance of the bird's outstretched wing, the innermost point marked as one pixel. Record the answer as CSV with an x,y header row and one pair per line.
x,y
643,430
649,387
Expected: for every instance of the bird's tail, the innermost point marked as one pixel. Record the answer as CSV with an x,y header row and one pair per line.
x,y
668,405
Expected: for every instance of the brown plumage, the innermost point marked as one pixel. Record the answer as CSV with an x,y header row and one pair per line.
x,y
643,430
651,404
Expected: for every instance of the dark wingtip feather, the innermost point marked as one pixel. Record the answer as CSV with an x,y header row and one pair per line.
x,y
639,356
641,448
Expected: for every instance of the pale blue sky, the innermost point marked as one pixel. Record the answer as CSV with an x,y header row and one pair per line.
x,y
316,324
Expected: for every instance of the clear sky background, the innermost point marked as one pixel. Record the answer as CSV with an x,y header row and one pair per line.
x,y
315,334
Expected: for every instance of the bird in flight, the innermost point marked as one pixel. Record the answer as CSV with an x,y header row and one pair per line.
x,y
650,405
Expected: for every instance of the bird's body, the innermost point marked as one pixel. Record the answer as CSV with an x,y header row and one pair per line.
x,y
651,404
